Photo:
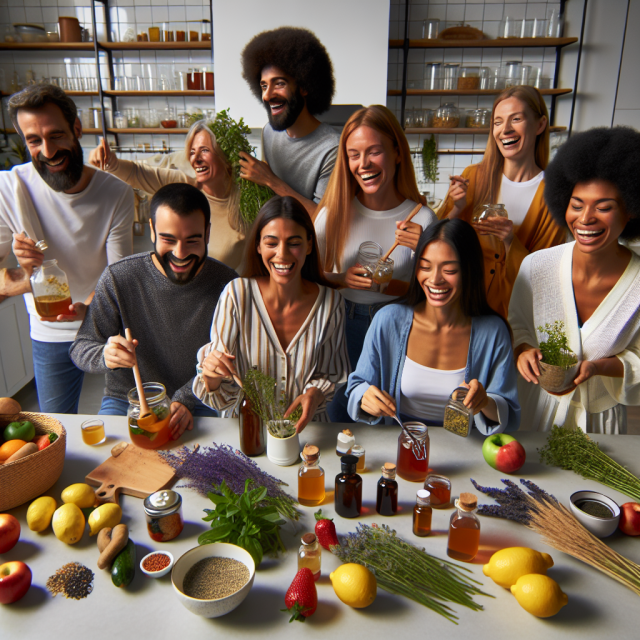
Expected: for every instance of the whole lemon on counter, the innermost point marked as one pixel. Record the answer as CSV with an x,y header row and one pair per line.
x,y
539,595
507,565
40,512
80,494
68,523
354,584
106,515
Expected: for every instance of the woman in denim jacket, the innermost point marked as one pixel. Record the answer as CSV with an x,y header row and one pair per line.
x,y
440,336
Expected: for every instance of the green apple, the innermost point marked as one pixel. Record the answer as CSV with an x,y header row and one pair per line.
x,y
503,452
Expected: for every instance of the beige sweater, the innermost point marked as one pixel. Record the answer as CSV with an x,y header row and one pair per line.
x,y
225,243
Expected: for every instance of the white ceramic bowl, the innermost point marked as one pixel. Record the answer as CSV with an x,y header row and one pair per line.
x,y
162,572
31,32
221,606
283,451
600,527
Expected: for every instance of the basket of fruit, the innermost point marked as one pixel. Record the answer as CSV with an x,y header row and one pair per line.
x,y
32,449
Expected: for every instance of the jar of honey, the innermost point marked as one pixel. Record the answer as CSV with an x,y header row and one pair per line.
x,y
382,275
413,454
150,434
163,511
50,288
484,211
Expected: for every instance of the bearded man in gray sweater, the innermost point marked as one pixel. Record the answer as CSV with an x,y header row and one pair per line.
x,y
166,298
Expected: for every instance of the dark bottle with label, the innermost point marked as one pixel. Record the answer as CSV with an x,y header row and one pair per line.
x,y
387,502
348,493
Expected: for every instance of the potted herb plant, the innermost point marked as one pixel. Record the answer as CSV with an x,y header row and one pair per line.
x,y
559,365
283,444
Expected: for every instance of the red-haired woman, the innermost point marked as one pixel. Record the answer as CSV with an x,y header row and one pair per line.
x,y
512,173
284,318
371,191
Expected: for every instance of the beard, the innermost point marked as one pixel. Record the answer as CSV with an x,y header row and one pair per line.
x,y
293,108
179,278
61,180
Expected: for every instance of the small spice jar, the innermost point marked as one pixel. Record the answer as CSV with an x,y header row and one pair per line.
x,y
310,554
457,418
163,510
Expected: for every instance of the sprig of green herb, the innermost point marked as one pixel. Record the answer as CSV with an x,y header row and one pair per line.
x,y
240,520
556,350
573,450
232,138
430,159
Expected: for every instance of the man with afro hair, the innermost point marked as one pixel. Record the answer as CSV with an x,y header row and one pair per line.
x,y
291,72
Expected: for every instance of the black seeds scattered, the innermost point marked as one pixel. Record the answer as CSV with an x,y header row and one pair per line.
x,y
74,580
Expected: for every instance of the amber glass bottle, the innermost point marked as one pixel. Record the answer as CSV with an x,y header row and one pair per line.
x,y
311,478
348,489
464,529
387,500
422,513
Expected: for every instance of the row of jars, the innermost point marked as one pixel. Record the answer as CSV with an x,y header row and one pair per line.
x,y
447,116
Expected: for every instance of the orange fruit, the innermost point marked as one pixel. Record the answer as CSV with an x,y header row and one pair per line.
x,y
9,448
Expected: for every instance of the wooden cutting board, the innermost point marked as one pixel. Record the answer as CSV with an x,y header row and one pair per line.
x,y
132,471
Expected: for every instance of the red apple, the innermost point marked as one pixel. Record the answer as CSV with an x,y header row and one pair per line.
x,y
15,580
9,532
630,518
503,452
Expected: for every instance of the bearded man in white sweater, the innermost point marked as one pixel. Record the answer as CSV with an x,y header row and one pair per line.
x,y
85,217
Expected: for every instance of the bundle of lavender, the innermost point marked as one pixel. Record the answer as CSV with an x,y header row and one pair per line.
x,y
542,513
207,467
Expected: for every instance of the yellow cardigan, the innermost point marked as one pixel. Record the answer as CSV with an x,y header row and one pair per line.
x,y
537,231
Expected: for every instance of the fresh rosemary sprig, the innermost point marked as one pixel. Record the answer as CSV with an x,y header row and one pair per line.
x,y
430,159
573,450
403,569
555,350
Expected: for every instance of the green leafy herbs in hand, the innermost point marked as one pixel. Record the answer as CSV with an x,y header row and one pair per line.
x,y
556,350
248,520
232,138
430,159
261,391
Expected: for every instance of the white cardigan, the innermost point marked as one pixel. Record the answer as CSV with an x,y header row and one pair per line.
x,y
543,292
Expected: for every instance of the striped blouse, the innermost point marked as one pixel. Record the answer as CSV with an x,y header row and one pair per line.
x,y
316,357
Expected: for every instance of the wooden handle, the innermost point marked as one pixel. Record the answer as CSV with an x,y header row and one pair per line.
x,y
107,493
144,407
385,257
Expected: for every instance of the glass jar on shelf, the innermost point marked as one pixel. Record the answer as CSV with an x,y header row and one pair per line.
x,y
432,75
469,78
450,75
133,118
447,116
478,119
169,120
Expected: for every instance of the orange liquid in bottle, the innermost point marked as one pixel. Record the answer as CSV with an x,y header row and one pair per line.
x,y
311,488
422,520
409,467
464,539
160,434
48,306
93,434
440,492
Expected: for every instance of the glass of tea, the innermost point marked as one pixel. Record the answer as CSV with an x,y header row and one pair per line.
x,y
93,432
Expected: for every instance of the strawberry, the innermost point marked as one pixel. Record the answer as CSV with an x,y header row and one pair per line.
x,y
325,531
302,598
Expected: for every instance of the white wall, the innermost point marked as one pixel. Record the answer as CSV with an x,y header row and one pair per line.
x,y
628,100
354,32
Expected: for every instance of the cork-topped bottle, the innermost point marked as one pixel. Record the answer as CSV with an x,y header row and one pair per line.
x,y
311,478
464,529
387,499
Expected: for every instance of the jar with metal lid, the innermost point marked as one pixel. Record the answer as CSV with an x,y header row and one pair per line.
x,y
484,211
50,288
447,116
163,511
151,434
413,452
478,119
457,418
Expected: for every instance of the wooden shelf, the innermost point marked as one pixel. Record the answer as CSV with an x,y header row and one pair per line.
x,y
156,46
80,94
89,132
46,46
466,131
468,92
499,43
168,94
150,131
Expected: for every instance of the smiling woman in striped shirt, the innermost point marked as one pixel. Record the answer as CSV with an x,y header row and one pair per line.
x,y
284,318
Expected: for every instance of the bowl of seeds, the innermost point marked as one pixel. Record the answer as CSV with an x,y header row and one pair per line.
x,y
213,579
596,512
156,564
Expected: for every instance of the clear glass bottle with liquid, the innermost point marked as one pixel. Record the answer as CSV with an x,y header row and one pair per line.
x,y
345,441
50,288
310,554
422,513
348,489
464,529
387,498
358,451
311,478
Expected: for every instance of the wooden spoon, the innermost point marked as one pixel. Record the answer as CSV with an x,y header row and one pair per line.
x,y
147,417
385,257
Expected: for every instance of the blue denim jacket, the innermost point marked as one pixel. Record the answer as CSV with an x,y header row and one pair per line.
x,y
490,361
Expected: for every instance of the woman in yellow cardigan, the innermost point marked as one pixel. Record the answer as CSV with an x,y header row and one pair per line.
x,y
511,172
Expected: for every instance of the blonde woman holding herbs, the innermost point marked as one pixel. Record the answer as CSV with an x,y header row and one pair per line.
x,y
284,318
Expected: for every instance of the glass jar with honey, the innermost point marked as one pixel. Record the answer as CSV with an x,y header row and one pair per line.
x,y
464,529
439,488
484,211
311,478
149,434
413,453
382,275
50,287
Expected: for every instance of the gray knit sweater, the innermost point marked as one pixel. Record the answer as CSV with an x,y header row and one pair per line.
x,y
170,321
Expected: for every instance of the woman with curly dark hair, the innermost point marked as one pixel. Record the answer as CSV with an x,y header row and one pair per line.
x,y
291,72
592,285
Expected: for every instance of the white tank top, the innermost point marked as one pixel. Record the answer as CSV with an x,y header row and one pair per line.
x,y
424,391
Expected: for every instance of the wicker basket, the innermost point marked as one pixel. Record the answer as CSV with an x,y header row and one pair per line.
x,y
31,476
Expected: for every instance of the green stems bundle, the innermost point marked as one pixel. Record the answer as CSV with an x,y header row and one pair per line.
x,y
575,451
430,159
556,350
405,570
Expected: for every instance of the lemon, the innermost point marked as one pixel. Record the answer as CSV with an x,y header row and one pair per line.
x,y
355,585
507,565
80,494
40,512
539,595
106,515
68,523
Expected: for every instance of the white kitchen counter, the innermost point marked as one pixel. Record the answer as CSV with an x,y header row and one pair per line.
x,y
598,606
